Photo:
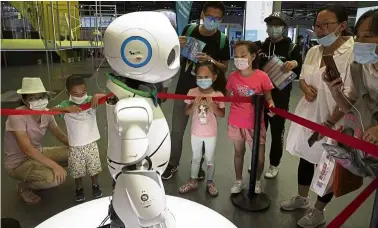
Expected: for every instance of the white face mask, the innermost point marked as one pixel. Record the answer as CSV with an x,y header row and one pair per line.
x,y
78,100
241,63
40,104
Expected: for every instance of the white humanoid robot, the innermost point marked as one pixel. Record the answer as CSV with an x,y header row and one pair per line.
x,y
143,49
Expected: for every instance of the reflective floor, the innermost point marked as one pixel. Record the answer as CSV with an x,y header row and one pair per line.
x,y
61,198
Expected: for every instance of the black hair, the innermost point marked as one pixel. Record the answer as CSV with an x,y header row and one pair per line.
x,y
341,13
214,4
220,82
252,49
74,80
373,14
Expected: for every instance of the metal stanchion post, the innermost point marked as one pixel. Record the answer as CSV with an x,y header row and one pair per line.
x,y
251,201
374,214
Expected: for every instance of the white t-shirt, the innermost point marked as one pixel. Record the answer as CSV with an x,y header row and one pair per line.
x,y
82,127
370,79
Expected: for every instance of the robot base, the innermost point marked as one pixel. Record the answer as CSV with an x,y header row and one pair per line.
x,y
115,222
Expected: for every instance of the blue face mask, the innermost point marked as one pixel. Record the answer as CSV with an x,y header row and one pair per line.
x,y
364,53
204,83
328,40
210,24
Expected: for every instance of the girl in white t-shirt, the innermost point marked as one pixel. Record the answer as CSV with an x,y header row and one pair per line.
x,y
82,134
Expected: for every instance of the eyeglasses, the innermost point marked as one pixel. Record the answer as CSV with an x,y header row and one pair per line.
x,y
324,25
211,18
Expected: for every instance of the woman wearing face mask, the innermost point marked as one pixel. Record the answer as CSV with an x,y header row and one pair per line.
x,y
318,106
36,167
366,55
365,79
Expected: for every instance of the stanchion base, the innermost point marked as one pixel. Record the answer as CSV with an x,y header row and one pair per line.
x,y
258,202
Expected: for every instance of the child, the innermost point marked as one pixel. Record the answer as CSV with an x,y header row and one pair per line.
x,y
246,81
82,134
204,123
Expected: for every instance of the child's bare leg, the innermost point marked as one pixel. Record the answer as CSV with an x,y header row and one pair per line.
x,y
239,146
94,179
79,182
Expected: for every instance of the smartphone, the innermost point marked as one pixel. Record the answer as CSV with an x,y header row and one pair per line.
x,y
331,68
313,139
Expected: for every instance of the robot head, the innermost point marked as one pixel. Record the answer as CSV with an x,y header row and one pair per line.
x,y
143,46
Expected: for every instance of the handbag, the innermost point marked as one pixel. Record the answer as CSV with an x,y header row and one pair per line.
x,y
345,181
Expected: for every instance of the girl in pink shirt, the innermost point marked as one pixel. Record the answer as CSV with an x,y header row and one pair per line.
x,y
204,123
246,81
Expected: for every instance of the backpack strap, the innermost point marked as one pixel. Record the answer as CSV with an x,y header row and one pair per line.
x,y
222,40
291,48
190,29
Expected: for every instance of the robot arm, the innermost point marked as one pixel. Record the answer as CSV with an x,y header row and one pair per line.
x,y
133,120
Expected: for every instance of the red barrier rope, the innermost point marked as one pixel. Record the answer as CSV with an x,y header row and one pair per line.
x,y
345,139
16,112
354,205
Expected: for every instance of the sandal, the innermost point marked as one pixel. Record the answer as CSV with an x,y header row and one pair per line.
x,y
212,190
28,196
188,187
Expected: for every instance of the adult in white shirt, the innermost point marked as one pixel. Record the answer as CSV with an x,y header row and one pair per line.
x,y
318,106
365,53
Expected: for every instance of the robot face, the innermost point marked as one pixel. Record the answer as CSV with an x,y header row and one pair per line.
x,y
143,46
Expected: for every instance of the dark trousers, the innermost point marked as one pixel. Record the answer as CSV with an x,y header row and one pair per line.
x,y
179,122
306,172
277,124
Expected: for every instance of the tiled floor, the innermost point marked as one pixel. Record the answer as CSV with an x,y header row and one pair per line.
x,y
61,198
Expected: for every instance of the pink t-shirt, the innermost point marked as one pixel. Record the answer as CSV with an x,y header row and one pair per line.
x,y
13,154
242,114
204,121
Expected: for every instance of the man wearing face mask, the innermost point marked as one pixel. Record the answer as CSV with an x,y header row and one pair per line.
x,y
25,159
282,47
217,50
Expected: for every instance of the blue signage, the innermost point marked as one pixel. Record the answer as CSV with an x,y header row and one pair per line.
x,y
182,13
251,35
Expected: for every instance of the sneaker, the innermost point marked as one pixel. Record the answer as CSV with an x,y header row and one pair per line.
x,y
169,171
295,203
258,187
272,172
96,191
79,195
237,187
201,174
312,219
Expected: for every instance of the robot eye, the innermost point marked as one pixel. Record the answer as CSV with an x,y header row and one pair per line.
x,y
171,57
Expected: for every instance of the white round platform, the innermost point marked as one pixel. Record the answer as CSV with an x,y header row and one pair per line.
x,y
188,214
